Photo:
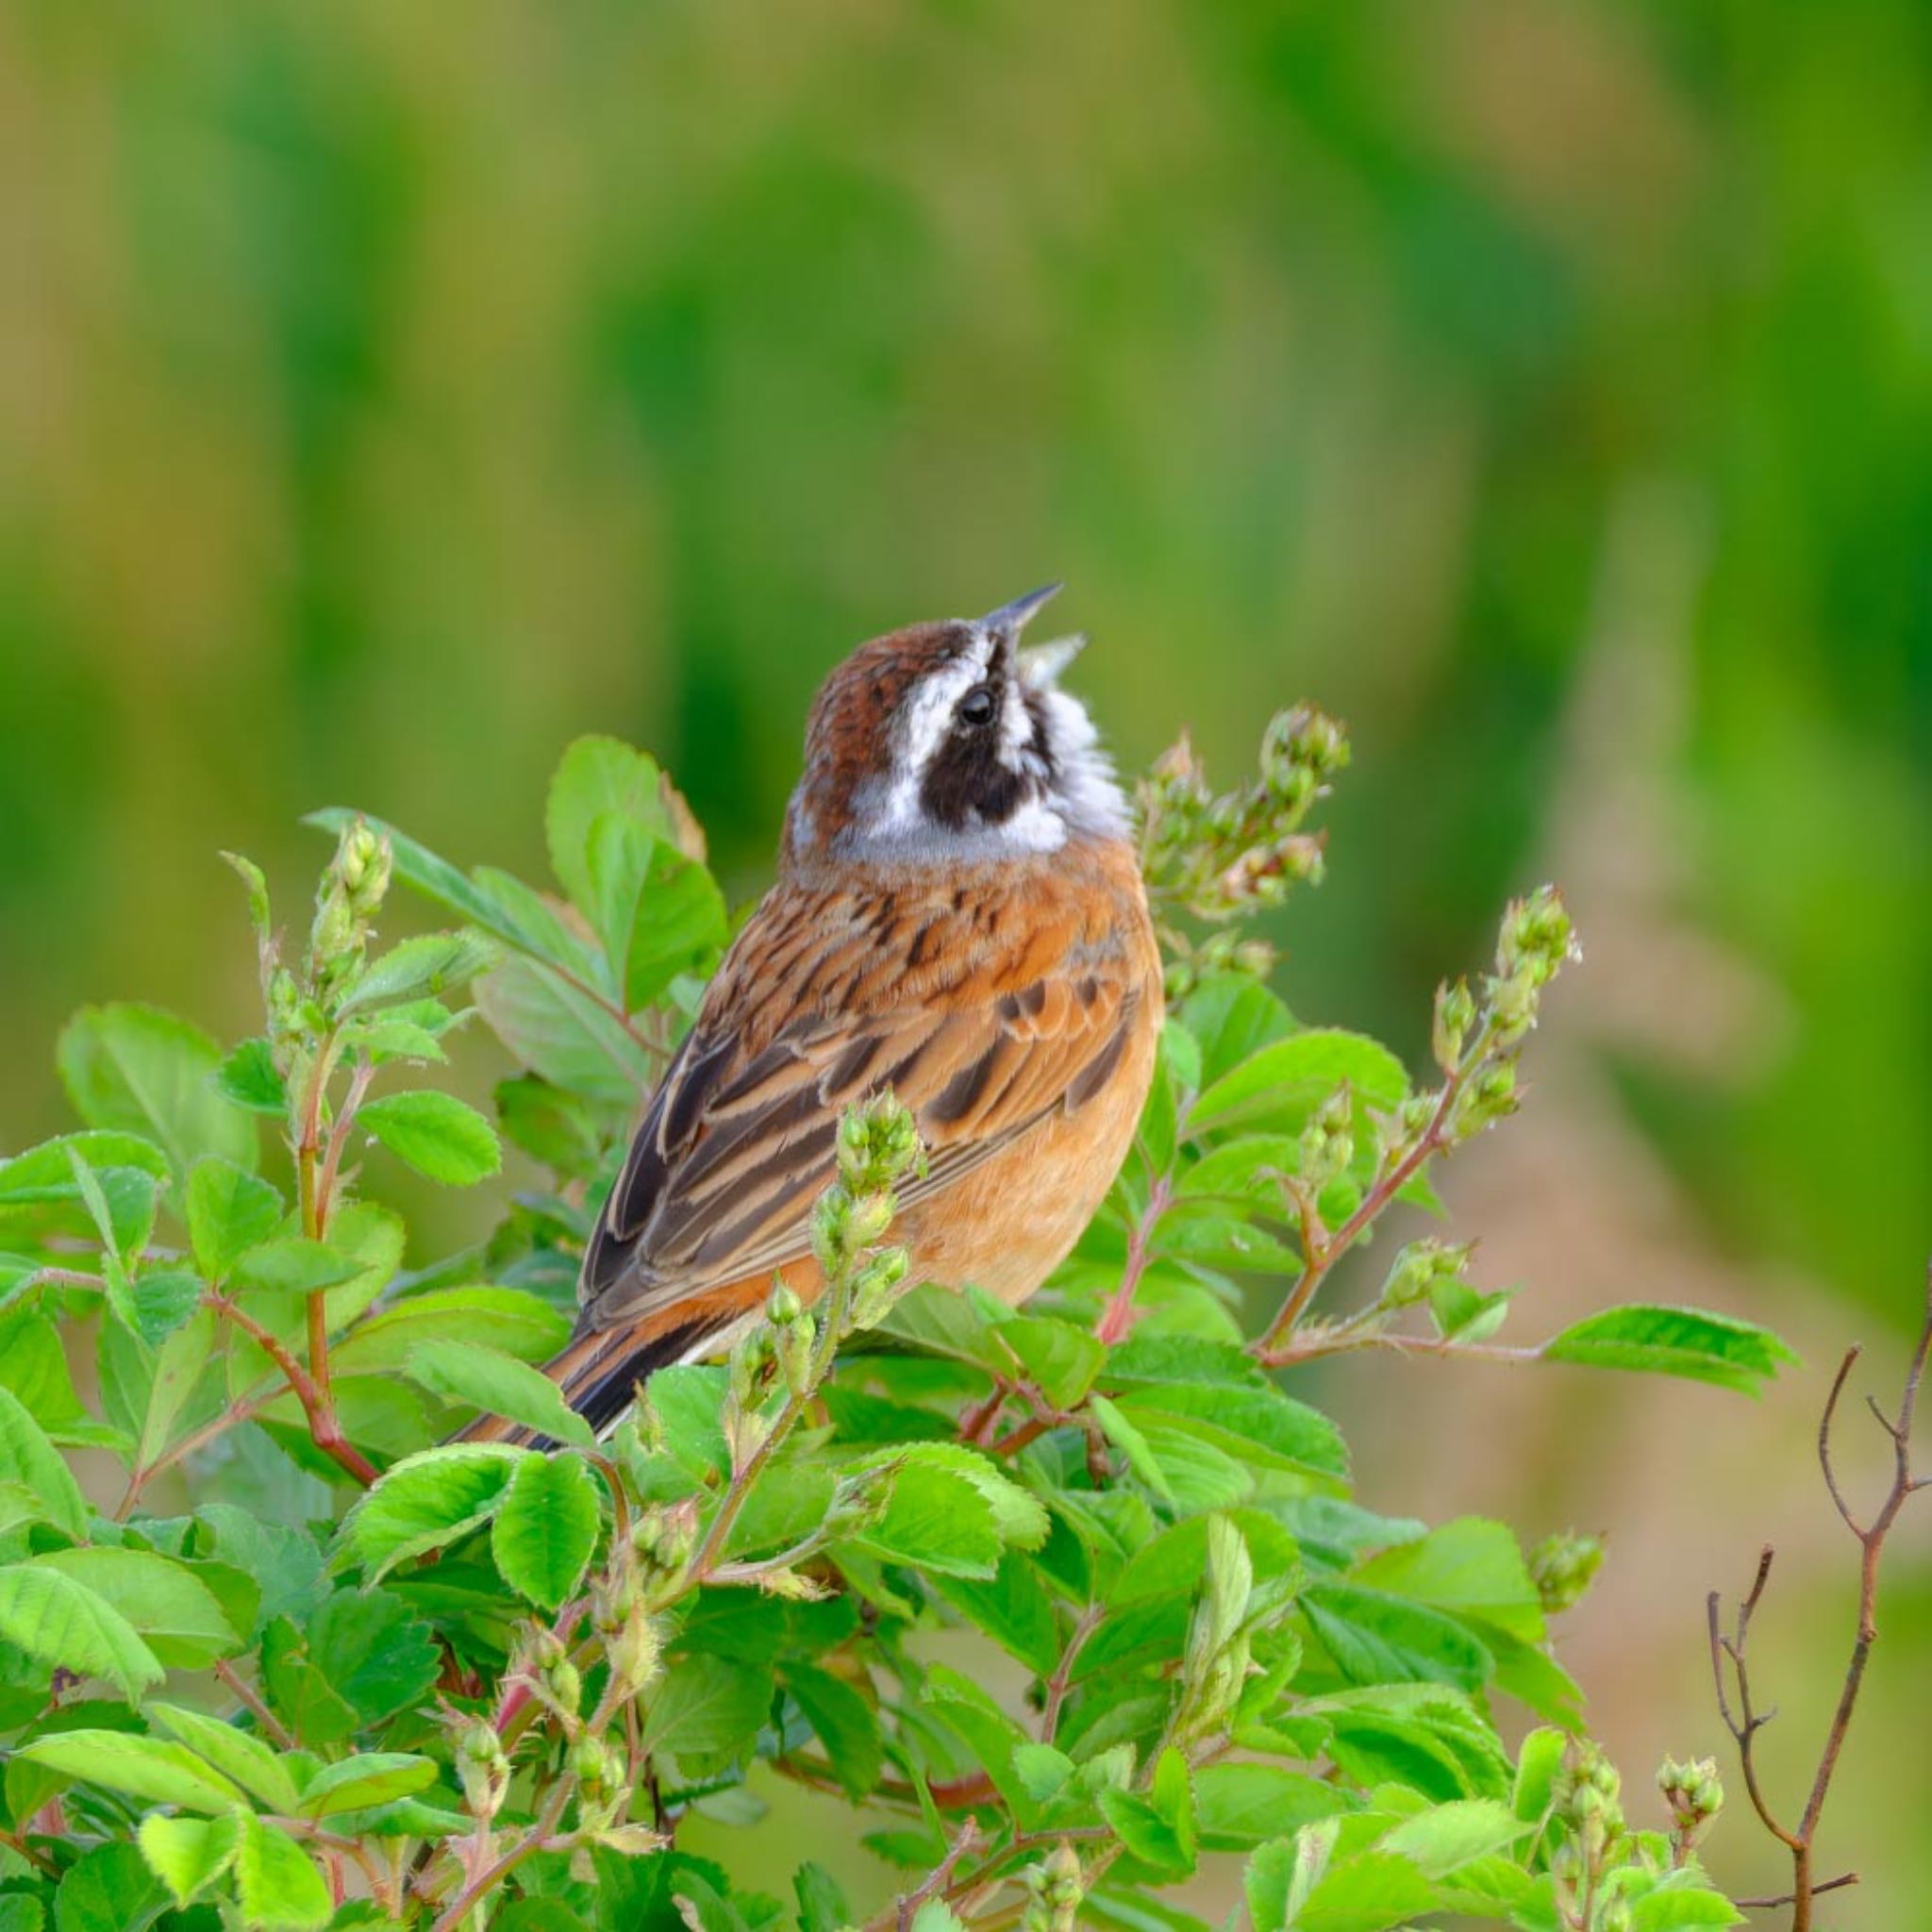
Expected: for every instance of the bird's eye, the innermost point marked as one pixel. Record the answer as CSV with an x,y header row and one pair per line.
x,y
978,706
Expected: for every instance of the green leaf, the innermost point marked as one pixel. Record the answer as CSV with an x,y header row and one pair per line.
x,y
1675,1342
935,1916
676,926
153,1769
1059,1360
546,1527
1369,1892
295,1264
178,1368
162,1301
821,1906
846,1726
137,1070
1377,1639
1146,1835
558,1128
517,1323
354,1784
1669,1909
1013,1608
27,1457
1233,1015
426,1501
188,1854
1043,1771
237,1755
474,1377
564,1032
431,965
1261,1428
279,1887
365,1651
1280,1087
108,1890
249,1079
34,1366
20,1912
229,1212
1239,1805
1537,1763
45,1174
171,1607
436,1133
1469,1566
599,777
1446,1837
935,1519
708,1708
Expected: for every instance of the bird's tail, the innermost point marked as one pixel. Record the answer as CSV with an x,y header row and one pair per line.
x,y
602,1368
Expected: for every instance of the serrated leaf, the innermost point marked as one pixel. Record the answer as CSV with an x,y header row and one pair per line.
x,y
174,1610
426,1501
596,778
249,1079
27,1457
934,1519
429,964
188,1854
1239,1805
1675,1342
1472,1567
153,1769
1280,1087
846,1726
359,1783
64,1624
546,1528
1446,1837
1059,1360
279,1885
1377,1638
237,1754
483,1378
517,1323
708,1706
565,1032
436,1134
108,1890
229,1211
295,1264
137,1070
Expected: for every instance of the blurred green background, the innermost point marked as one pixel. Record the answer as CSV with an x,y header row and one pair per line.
x,y
388,394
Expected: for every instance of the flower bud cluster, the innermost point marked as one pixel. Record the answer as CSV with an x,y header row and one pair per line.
x,y
1420,1269
1563,1568
1695,1795
1055,1889
1223,856
352,890
1588,1798
1327,1142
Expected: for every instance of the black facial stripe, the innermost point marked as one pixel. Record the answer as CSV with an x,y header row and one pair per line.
x,y
1041,742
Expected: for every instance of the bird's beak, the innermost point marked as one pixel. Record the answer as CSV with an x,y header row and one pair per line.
x,y
1009,620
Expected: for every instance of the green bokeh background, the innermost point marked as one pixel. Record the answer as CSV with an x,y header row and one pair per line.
x,y
390,392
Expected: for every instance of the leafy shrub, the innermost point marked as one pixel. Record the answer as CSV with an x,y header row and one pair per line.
x,y
312,1664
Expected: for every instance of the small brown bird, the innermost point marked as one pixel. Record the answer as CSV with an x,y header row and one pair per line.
x,y
958,916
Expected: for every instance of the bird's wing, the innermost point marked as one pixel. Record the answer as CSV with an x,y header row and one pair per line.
x,y
982,1024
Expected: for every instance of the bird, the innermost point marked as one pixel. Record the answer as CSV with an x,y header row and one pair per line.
x,y
958,917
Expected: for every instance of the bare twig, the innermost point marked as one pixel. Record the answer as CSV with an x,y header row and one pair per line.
x,y
1741,1718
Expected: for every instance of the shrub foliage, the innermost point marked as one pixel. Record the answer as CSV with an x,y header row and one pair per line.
x,y
1068,1605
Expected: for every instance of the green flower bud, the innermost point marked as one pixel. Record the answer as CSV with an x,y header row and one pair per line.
x,y
1693,1792
876,1287
783,1307
1420,1268
1455,1016
482,1769
795,1348
1563,1567
1327,1142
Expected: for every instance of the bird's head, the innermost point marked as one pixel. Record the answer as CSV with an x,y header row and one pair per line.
x,y
947,742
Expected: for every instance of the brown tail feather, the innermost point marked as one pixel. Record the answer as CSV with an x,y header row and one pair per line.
x,y
601,1370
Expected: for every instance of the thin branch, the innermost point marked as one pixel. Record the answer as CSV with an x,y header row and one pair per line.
x,y
1744,1721
1791,1898
244,1693
1117,1317
1433,1138
324,1429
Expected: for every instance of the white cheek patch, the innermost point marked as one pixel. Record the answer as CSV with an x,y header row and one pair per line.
x,y
893,808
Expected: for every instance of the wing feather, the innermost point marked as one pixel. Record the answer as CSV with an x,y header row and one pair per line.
x,y
990,1022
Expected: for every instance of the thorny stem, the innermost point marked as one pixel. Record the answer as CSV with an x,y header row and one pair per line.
x,y
1271,1347
901,1914
1744,1720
